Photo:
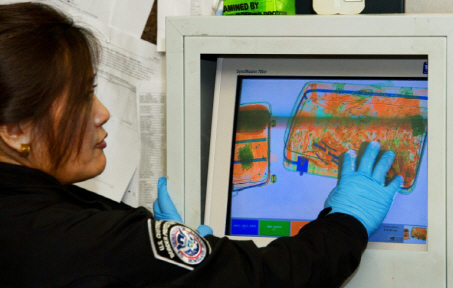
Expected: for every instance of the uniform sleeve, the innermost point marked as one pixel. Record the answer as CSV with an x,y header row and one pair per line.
x,y
87,248
63,244
323,254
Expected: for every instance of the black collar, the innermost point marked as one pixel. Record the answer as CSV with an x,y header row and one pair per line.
x,y
18,174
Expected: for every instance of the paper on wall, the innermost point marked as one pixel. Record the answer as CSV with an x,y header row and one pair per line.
x,y
123,15
131,195
126,61
151,111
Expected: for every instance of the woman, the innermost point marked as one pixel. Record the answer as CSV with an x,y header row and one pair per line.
x,y
55,234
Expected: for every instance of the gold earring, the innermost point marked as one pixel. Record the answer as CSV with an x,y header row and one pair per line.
x,y
25,149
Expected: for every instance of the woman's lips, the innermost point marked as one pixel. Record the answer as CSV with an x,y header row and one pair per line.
x,y
102,144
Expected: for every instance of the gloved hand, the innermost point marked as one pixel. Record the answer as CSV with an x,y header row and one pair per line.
x,y
164,209
204,230
362,193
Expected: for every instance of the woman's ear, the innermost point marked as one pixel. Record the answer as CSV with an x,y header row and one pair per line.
x,y
15,135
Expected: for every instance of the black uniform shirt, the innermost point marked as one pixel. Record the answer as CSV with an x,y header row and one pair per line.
x,y
64,236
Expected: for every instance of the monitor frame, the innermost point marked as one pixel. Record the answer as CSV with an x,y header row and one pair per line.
x,y
190,39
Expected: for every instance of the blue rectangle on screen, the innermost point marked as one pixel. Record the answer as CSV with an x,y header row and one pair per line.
x,y
244,227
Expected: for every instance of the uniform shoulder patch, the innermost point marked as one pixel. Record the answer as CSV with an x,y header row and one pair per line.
x,y
178,244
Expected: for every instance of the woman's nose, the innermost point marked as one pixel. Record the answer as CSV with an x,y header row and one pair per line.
x,y
101,113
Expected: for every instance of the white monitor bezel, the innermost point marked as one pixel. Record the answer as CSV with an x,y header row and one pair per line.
x,y
189,39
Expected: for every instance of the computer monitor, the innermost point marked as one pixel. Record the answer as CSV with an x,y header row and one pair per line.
x,y
361,47
280,129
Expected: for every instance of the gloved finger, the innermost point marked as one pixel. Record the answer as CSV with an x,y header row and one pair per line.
x,y
165,203
395,185
204,230
166,206
383,166
349,163
156,208
368,158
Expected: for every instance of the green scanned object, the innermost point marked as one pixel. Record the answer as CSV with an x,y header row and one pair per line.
x,y
260,7
245,157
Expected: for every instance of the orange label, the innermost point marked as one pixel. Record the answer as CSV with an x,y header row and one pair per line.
x,y
296,226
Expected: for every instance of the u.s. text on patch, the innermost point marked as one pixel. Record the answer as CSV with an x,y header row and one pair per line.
x,y
178,244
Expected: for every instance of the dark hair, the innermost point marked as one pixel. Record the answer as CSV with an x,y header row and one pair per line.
x,y
45,57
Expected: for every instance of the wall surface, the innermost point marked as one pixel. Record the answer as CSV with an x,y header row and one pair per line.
x,y
429,6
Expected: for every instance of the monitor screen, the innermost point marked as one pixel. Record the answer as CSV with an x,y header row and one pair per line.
x,y
289,137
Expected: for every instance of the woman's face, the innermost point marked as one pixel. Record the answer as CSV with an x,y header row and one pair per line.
x,y
91,160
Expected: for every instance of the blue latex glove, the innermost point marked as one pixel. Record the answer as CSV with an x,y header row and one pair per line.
x,y
204,230
164,209
362,193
